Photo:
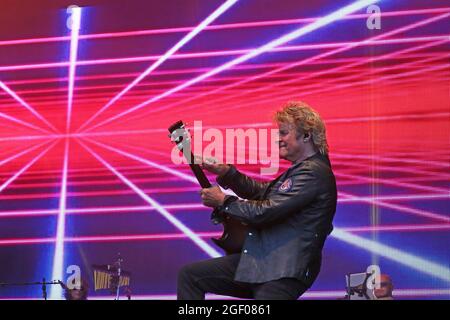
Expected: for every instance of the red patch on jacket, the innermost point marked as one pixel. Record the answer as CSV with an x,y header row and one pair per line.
x,y
286,185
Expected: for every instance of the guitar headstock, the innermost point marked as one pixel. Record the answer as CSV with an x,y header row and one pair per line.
x,y
180,135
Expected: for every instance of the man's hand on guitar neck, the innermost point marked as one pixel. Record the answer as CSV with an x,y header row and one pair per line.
x,y
211,165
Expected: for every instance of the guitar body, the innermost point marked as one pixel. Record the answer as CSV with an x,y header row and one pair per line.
x,y
233,236
234,231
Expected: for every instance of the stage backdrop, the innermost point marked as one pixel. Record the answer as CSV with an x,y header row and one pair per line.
x,y
87,95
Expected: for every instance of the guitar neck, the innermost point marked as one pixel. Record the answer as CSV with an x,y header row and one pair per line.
x,y
198,172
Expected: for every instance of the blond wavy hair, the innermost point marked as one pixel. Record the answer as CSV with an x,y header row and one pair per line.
x,y
305,119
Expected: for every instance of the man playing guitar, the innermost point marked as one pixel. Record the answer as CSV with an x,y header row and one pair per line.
x,y
287,219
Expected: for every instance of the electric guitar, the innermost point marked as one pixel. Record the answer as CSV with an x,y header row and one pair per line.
x,y
234,231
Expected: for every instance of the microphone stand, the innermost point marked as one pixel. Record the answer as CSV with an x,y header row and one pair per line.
x,y
44,289
43,285
118,263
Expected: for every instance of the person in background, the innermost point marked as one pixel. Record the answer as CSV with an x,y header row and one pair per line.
x,y
385,290
76,293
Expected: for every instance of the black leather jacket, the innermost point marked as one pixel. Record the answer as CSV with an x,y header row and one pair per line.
x,y
289,220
